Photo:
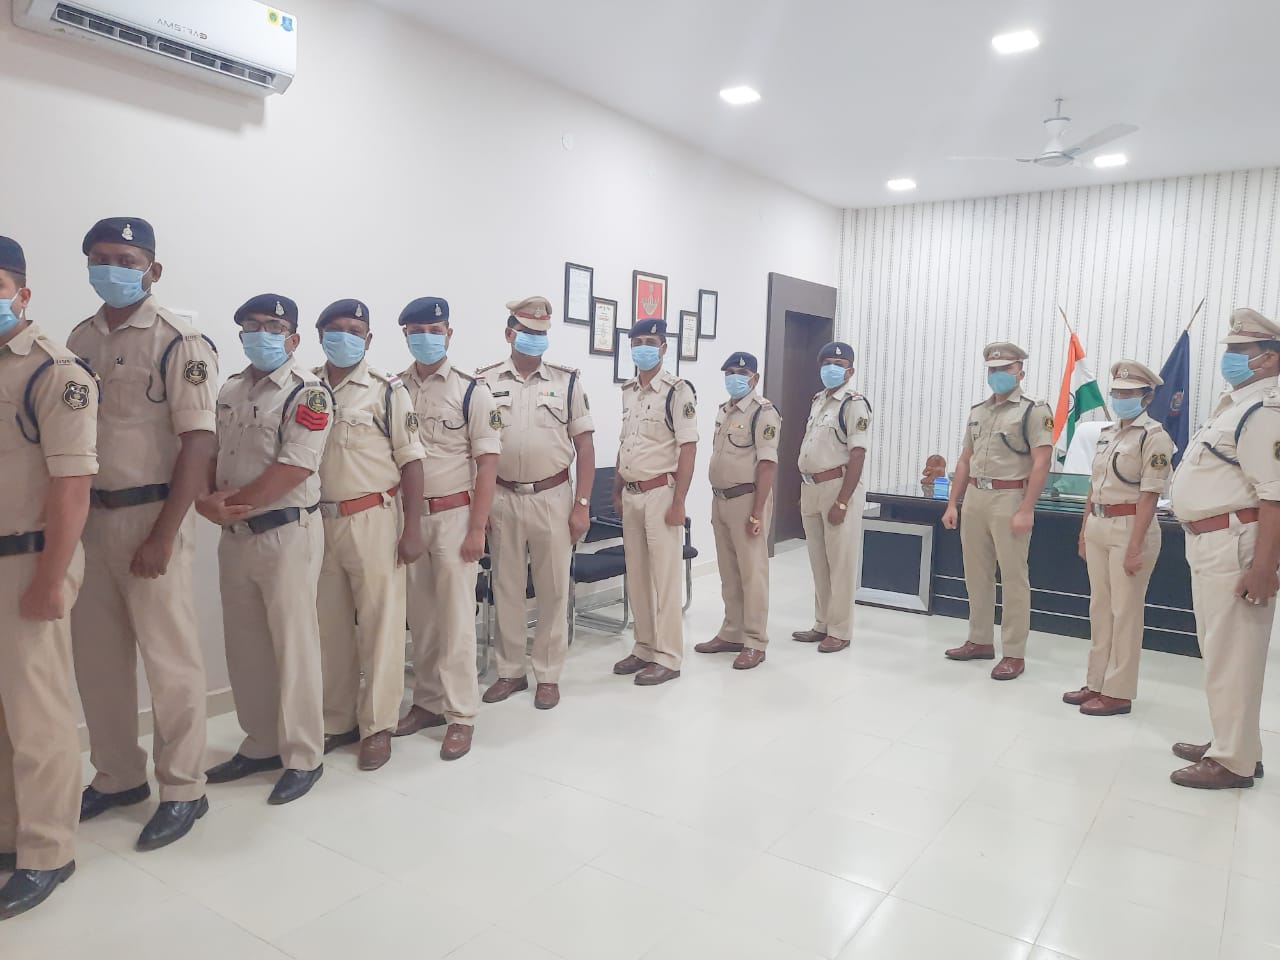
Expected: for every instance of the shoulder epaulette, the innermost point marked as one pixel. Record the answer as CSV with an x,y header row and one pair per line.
x,y
1271,399
492,366
81,324
463,374
561,367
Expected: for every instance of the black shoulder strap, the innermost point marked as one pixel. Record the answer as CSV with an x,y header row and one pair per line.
x,y
466,402
1245,419
164,366
385,426
671,399
1026,419
573,383
29,402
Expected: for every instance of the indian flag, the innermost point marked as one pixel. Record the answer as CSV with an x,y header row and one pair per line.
x,y
1079,395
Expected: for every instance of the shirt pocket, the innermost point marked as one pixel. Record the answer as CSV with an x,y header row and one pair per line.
x,y
738,434
356,429
1214,444
125,393
551,410
1126,463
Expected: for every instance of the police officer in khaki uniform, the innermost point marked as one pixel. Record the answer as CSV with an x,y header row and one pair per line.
x,y
372,455
744,462
460,433
159,384
1000,475
537,516
832,465
48,408
1226,492
1120,541
655,466
273,420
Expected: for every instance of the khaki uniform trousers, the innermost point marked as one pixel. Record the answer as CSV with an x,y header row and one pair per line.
x,y
39,745
442,618
744,570
835,555
535,525
1117,603
119,616
987,542
268,585
362,608
1234,636
654,556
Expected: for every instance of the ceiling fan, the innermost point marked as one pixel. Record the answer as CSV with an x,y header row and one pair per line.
x,y
1055,154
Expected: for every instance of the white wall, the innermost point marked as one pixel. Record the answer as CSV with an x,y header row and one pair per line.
x,y
398,165
924,286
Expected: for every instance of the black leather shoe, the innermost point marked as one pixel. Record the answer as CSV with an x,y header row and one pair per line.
x,y
332,741
30,888
94,804
8,862
172,821
239,767
294,784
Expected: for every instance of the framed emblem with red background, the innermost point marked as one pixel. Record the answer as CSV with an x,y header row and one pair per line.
x,y
648,296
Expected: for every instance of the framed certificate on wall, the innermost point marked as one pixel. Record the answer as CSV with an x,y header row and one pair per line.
x,y
708,313
604,320
688,335
578,288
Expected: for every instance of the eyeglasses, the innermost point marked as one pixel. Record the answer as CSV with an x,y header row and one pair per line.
x,y
254,326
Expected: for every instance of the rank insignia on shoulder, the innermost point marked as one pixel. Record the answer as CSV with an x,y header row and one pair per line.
x,y
495,420
689,410
1160,461
317,401
196,372
307,416
411,422
863,423
1048,423
76,395
770,432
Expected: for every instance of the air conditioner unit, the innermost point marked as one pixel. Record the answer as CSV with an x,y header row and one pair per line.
x,y
239,44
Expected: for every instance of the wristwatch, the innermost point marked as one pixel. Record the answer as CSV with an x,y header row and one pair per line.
x,y
842,506
584,502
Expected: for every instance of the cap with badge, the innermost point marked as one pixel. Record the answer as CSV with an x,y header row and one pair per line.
x,y
134,231
425,310
1002,353
12,258
836,350
532,312
1249,326
1132,375
743,361
657,327
269,305
355,309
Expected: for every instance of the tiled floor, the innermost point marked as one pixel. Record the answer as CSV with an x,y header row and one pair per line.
x,y
874,804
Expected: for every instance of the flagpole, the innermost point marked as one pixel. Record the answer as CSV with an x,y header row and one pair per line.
x,y
1194,315
1066,321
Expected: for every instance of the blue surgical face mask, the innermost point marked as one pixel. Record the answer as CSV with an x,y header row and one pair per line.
x,y
1001,381
1235,368
8,319
265,350
343,349
738,385
117,286
832,375
428,348
531,344
645,357
1126,408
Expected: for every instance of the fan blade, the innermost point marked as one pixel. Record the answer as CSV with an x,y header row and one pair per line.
x,y
1006,159
1101,138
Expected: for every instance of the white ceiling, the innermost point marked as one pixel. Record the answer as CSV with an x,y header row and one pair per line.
x,y
859,91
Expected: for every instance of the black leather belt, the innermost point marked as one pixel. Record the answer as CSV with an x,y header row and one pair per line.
x,y
21,543
276,518
129,497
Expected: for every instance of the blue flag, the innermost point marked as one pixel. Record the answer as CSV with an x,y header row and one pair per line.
x,y
1169,405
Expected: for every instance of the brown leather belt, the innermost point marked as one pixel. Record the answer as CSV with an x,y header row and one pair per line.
x,y
644,486
985,484
1114,509
451,502
1221,521
824,475
345,508
537,486
729,493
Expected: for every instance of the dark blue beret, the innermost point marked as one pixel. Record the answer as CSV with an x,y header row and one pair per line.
x,y
12,257
131,230
270,305
343,308
747,360
836,349
425,310
642,327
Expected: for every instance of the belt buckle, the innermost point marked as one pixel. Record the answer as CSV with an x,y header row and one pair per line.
x,y
717,492
807,478
632,487
523,488
1098,509
330,510
985,483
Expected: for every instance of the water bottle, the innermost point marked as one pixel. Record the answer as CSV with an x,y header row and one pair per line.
x,y
941,488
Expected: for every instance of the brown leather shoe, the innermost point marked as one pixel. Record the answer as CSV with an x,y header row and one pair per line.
x,y
375,750
629,664
654,674
1077,697
1194,753
1104,706
457,741
717,646
546,696
417,719
748,658
830,644
505,688
809,636
972,651
1010,668
1209,774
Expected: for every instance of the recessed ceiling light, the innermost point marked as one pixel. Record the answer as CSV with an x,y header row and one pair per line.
x,y
1015,42
739,95
1110,160
903,183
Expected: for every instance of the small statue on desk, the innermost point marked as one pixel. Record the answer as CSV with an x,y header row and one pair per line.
x,y
934,467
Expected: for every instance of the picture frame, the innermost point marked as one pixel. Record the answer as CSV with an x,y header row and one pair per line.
x,y
624,369
579,289
708,314
604,322
689,335
648,296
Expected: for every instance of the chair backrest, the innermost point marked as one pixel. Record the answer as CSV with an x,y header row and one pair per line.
x,y
605,524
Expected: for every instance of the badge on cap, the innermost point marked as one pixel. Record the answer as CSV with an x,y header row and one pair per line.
x,y
538,311
838,353
439,312
996,355
359,312
1124,373
279,309
127,232
741,361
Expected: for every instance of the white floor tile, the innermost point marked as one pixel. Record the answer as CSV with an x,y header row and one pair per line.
x,y
900,930
495,944
1095,926
1207,840
895,805
1253,910
850,849
703,936
1154,879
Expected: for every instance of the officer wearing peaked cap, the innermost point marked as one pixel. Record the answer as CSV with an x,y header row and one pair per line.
x,y
1226,492
156,425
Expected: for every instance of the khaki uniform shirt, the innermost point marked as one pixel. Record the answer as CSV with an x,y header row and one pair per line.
x,y
737,448
544,420
1205,485
144,409
825,445
255,430
1131,461
65,403
452,442
375,433
994,434
648,447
